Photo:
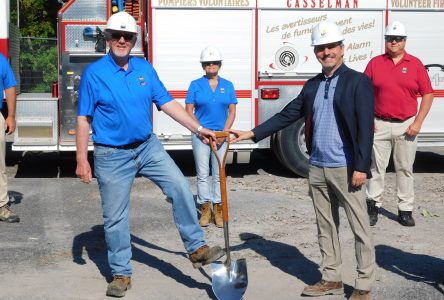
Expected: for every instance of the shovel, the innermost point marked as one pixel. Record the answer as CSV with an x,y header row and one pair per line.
x,y
230,278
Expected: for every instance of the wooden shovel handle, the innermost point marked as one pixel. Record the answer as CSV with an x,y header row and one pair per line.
x,y
222,176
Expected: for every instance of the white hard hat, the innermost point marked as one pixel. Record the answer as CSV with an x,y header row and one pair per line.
x,y
122,21
395,28
325,33
210,53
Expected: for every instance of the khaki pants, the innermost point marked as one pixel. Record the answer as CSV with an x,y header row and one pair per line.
x,y
3,178
391,136
329,187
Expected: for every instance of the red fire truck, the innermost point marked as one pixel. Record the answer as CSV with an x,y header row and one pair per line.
x,y
267,55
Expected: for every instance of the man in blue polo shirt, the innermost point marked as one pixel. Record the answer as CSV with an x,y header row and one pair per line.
x,y
338,108
115,99
7,85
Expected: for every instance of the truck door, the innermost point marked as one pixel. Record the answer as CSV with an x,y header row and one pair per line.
x,y
178,36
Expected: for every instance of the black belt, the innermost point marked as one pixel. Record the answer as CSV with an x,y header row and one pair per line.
x,y
126,147
388,119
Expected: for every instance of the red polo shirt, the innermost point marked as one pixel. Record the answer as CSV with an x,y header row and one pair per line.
x,y
396,86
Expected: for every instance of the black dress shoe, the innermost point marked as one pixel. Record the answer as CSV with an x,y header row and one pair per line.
x,y
405,218
373,211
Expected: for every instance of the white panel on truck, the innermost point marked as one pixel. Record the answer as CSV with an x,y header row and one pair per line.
x,y
426,41
322,4
285,39
179,35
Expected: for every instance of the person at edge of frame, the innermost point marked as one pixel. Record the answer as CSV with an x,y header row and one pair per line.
x,y
7,85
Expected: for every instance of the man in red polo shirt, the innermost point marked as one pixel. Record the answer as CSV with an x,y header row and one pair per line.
x,y
398,78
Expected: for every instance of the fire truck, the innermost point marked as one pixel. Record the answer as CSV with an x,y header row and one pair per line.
x,y
267,55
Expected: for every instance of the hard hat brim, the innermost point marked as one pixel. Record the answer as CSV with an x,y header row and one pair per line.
x,y
327,42
119,30
202,61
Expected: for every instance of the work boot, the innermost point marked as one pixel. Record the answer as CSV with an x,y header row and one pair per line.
x,y
373,211
205,255
118,286
6,215
205,216
361,295
217,212
405,218
323,288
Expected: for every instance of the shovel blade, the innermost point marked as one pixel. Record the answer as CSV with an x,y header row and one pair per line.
x,y
230,282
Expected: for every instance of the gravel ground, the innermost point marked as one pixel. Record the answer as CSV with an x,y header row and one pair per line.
x,y
58,251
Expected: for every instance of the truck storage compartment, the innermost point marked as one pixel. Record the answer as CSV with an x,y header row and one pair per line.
x,y
36,121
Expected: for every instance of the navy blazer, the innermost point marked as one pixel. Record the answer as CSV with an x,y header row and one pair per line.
x,y
354,102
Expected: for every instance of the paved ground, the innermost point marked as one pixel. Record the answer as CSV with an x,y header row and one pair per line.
x,y
58,251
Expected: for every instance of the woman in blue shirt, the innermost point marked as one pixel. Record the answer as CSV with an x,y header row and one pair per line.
x,y
211,100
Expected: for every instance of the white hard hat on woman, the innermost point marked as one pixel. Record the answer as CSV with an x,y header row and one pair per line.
x,y
210,53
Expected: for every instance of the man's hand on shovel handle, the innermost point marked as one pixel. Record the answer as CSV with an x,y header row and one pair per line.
x,y
240,135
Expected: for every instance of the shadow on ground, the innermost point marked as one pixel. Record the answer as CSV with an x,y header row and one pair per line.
x,y
41,164
411,266
388,214
262,160
93,242
285,257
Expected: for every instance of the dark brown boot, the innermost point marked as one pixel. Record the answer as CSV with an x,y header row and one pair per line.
x,y
361,295
118,286
205,217
217,213
323,288
6,215
206,255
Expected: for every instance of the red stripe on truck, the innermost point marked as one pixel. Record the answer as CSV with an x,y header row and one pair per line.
x,y
438,93
183,94
4,47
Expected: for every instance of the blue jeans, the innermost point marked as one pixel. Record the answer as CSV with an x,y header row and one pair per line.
x,y
115,170
202,153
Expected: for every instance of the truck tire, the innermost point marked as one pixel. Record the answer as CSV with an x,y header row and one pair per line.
x,y
274,145
291,148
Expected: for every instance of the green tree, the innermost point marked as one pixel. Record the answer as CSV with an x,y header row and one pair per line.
x,y
38,55
38,18
38,63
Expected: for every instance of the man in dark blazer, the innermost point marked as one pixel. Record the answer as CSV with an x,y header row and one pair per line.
x,y
338,107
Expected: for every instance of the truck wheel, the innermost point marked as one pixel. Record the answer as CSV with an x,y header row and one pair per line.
x,y
274,144
291,147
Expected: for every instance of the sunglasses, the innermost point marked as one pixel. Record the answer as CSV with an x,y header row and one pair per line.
x,y
321,48
116,36
208,63
391,39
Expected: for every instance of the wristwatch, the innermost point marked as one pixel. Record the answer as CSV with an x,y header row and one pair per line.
x,y
199,129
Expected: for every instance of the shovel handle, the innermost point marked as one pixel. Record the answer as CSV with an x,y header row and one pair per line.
x,y
222,176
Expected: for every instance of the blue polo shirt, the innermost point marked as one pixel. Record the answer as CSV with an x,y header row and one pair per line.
x,y
120,101
7,79
330,148
211,108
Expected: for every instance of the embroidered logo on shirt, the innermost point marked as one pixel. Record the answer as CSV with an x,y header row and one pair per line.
x,y
142,80
222,90
404,70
